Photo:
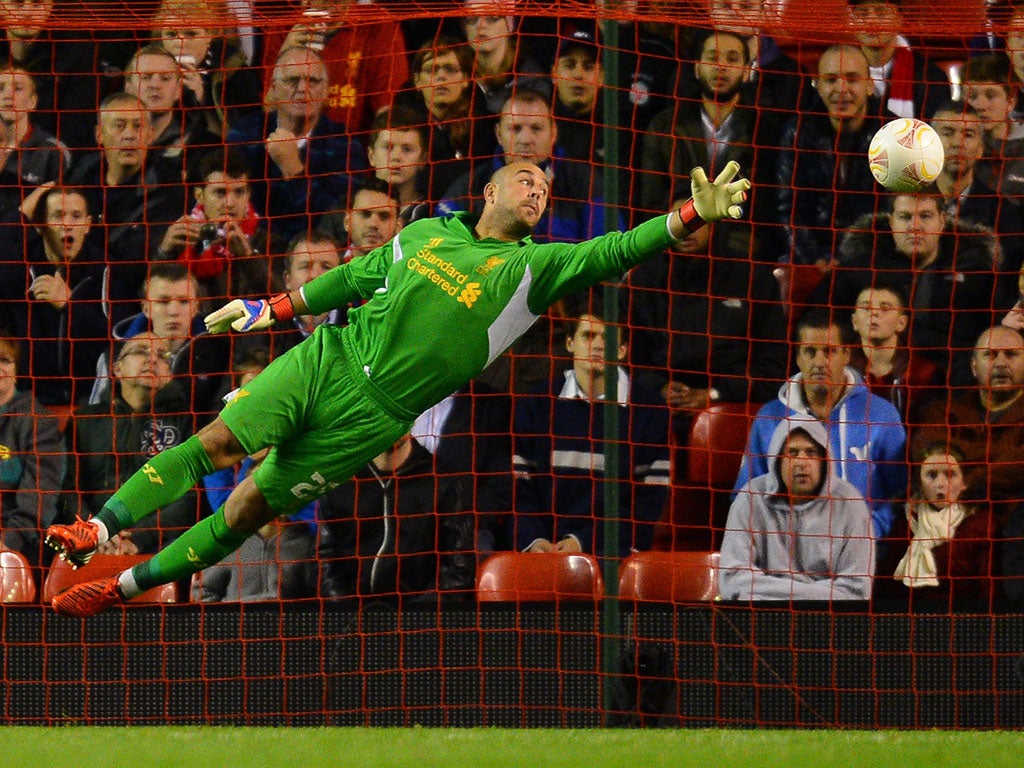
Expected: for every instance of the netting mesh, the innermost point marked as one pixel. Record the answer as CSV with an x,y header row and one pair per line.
x,y
817,403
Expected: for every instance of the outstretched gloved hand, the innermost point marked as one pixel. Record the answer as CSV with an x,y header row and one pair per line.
x,y
721,198
240,314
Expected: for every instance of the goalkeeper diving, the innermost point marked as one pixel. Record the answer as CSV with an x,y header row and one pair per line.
x,y
444,298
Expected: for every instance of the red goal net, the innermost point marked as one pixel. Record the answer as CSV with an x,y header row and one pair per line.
x,y
769,475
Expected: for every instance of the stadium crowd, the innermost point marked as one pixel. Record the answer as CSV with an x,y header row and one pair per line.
x,y
148,178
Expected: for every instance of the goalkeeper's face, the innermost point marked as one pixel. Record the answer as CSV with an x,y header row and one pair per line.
x,y
518,196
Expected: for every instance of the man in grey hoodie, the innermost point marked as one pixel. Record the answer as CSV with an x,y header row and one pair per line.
x,y
798,532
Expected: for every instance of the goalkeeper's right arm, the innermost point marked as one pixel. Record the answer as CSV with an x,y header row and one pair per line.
x,y
255,315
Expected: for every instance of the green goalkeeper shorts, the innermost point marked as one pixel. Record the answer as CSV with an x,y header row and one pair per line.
x,y
322,427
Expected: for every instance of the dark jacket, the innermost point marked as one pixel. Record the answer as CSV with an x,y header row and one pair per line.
x,y
292,204
129,221
718,325
110,442
560,479
61,347
200,366
823,188
575,210
401,534
966,564
39,158
952,300
32,459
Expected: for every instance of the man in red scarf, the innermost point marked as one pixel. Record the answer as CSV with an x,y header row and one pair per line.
x,y
905,83
222,239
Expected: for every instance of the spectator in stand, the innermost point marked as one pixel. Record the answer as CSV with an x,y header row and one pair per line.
x,y
713,122
968,197
992,87
776,83
527,132
906,83
470,435
558,435
1015,50
397,531
53,282
823,183
366,62
132,199
707,325
866,435
649,68
170,312
890,369
145,411
279,562
215,72
180,135
947,268
501,67
307,256
73,69
31,462
300,160
223,240
399,156
29,155
578,78
986,422
941,549
441,95
798,531
370,221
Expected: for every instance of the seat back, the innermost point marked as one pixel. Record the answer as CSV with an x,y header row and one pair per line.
x,y
527,576
61,576
16,582
718,439
669,577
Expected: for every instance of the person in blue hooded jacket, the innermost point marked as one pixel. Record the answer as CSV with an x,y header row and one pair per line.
x,y
867,440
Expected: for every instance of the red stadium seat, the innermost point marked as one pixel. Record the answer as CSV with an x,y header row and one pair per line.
x,y
62,413
528,576
718,438
62,576
796,284
16,582
669,577
700,501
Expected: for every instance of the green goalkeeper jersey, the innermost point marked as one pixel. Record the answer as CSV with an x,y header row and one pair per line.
x,y
443,304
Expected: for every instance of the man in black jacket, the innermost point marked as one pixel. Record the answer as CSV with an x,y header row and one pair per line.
x,y
396,530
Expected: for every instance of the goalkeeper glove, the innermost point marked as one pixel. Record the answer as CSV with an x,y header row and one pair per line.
x,y
715,200
248,315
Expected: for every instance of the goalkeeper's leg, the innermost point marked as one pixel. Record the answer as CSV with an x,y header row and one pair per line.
x,y
163,479
207,542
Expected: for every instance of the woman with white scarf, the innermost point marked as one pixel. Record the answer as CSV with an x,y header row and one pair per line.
x,y
942,548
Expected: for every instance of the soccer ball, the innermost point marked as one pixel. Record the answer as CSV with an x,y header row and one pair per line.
x,y
905,155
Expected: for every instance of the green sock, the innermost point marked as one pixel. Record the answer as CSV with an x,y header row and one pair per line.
x,y
163,479
207,542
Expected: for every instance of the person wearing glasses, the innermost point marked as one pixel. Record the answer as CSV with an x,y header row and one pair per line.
x,y
144,412
300,160
171,312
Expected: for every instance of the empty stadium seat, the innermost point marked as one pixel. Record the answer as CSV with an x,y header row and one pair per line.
x,y
62,575
669,577
699,504
16,582
528,576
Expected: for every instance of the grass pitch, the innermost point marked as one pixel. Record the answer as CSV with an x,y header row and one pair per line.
x,y
212,747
